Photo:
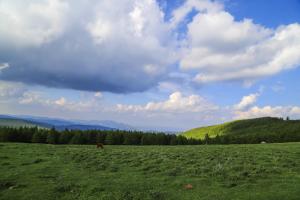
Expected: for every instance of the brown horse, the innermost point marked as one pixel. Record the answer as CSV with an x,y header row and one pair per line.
x,y
100,145
188,186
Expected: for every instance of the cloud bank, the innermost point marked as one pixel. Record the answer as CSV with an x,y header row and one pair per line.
x,y
128,46
180,110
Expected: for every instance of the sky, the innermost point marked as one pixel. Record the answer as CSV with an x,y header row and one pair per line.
x,y
164,64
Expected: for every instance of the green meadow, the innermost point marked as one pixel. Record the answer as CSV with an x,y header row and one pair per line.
x,y
244,172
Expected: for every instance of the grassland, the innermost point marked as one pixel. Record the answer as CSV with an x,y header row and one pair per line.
x,y
219,172
212,131
267,126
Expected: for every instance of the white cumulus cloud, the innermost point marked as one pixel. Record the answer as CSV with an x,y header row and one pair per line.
x,y
176,103
216,43
10,90
247,101
31,23
3,66
246,108
269,111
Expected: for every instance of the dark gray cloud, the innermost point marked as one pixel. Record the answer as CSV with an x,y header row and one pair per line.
x,y
105,46
84,68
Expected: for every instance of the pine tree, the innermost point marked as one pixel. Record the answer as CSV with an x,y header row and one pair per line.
x,y
173,140
65,137
109,139
100,138
37,137
206,139
53,136
181,140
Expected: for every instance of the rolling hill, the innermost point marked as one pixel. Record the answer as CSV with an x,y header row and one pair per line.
x,y
259,126
83,124
12,121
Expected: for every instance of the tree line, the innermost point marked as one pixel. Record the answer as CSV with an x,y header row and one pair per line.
x,y
109,137
120,137
253,138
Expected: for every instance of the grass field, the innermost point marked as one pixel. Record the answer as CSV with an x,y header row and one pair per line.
x,y
216,172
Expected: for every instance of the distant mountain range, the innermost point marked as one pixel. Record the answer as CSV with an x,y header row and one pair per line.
x,y
61,124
